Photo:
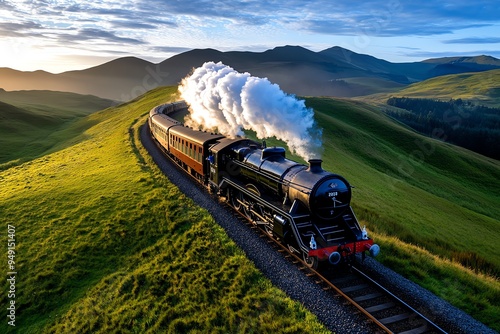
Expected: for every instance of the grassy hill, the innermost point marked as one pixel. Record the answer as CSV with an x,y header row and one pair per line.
x,y
432,206
105,244
99,230
481,88
395,170
422,198
30,119
416,185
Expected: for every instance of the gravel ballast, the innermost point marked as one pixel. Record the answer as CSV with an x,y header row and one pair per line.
x,y
333,312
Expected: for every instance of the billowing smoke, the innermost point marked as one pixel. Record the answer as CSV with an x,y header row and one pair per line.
x,y
224,99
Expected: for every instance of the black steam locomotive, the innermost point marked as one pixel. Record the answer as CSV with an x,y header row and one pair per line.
x,y
304,207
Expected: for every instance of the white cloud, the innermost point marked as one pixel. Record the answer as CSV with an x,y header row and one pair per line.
x,y
227,24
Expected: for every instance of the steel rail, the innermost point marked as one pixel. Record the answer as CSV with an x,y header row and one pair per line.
x,y
323,279
328,283
399,300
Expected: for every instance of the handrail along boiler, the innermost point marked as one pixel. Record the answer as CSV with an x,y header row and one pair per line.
x,y
305,207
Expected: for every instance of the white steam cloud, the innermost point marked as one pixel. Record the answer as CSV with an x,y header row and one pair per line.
x,y
224,99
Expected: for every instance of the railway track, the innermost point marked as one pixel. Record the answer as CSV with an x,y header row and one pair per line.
x,y
387,312
451,320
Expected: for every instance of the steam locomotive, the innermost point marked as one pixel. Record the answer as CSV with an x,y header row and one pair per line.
x,y
305,207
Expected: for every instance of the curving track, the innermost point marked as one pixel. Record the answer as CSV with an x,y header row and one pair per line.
x,y
388,313
332,311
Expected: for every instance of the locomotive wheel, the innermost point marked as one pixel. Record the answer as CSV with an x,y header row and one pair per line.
x,y
310,261
239,202
250,187
246,208
236,199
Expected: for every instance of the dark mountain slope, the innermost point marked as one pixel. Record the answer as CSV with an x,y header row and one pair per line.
x,y
398,72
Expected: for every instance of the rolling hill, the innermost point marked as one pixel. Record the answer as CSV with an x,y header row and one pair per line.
x,y
462,109
481,88
30,121
104,243
331,72
100,229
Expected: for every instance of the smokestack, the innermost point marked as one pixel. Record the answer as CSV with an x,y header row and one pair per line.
x,y
315,166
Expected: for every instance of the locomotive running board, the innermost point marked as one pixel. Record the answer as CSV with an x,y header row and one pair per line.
x,y
226,182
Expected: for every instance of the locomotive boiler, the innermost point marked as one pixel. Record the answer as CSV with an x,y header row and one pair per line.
x,y
302,206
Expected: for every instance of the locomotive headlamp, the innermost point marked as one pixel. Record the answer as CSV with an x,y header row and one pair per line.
x,y
374,250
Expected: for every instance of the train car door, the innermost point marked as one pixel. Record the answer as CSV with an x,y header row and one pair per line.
x,y
213,167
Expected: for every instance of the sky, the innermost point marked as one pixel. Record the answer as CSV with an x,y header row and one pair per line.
x,y
62,35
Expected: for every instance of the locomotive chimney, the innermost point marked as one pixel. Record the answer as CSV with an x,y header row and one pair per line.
x,y
315,166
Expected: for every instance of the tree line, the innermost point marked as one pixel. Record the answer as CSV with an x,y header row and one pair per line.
x,y
462,123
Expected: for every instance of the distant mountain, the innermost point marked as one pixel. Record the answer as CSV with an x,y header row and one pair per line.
x,y
400,72
456,65
483,60
331,72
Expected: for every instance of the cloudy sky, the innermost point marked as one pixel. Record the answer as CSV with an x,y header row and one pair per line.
x,y
60,35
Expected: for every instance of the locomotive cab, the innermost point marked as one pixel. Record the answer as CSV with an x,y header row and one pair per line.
x,y
221,158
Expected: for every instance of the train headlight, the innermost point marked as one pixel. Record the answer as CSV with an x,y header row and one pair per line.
x,y
374,250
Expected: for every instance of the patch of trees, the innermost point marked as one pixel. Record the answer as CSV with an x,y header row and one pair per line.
x,y
459,122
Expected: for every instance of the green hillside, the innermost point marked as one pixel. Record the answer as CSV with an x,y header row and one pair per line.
x,y
396,171
105,244
29,119
415,191
481,88
55,104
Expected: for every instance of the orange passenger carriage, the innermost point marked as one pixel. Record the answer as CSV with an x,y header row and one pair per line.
x,y
188,147
191,148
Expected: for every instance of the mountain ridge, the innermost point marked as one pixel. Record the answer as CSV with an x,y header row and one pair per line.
x,y
297,70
